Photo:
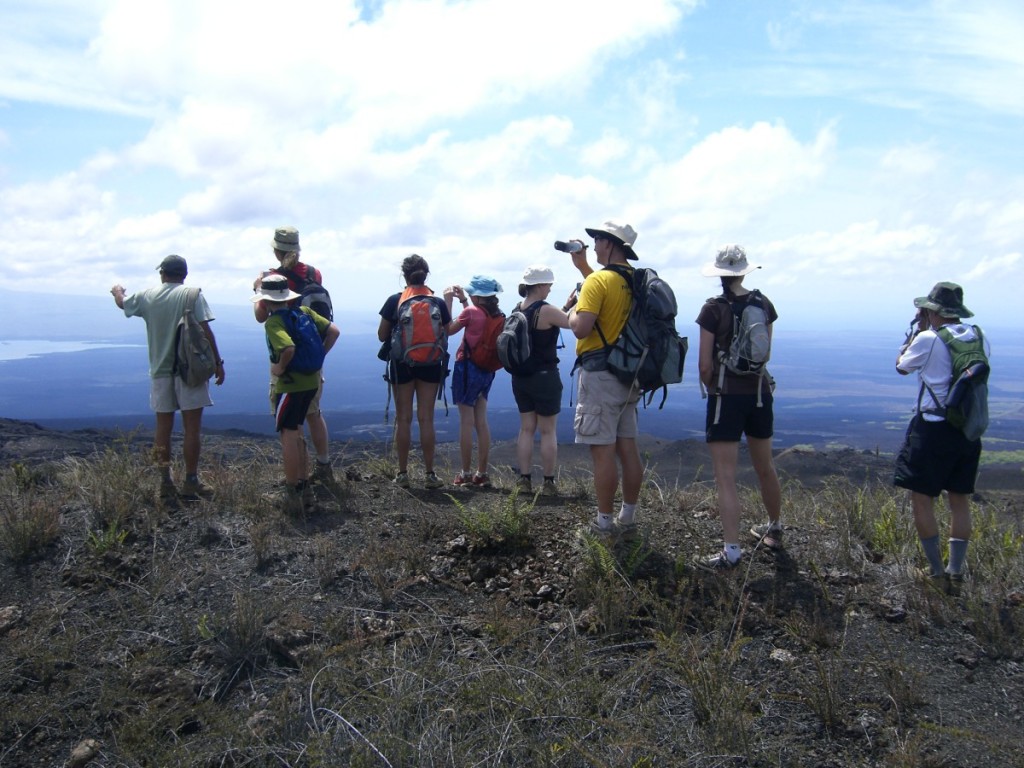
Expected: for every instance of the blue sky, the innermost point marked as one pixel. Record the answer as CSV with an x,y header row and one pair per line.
x,y
860,151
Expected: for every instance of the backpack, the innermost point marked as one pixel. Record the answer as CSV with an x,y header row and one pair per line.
x,y
514,344
419,336
750,345
485,354
649,353
966,406
309,346
311,293
194,360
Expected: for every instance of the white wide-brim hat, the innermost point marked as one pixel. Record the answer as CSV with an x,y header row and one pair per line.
x,y
623,234
275,288
731,261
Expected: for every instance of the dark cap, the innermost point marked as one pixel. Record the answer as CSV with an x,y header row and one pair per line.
x,y
173,265
946,299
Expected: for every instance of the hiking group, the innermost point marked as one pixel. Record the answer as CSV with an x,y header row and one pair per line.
x,y
627,349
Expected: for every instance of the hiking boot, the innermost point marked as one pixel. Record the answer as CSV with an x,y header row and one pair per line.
x,y
481,480
626,531
717,563
594,531
463,478
308,496
323,473
194,490
524,484
956,583
549,488
168,490
432,481
402,480
770,537
287,499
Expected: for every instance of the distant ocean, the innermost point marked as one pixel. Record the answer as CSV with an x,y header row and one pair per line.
x,y
833,388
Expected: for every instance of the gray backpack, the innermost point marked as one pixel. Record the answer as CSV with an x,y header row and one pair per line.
x,y
515,346
751,343
194,360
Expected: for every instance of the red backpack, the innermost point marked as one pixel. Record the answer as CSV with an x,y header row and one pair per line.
x,y
485,354
419,336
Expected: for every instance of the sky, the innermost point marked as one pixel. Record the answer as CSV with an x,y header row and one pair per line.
x,y
860,151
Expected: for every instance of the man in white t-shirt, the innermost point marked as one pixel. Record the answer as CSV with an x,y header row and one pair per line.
x,y
936,456
162,307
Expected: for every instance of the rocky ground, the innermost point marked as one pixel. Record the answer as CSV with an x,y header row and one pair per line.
x,y
463,627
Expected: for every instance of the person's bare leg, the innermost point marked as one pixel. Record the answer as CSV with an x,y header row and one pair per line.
x,y
403,394
548,444
467,416
483,435
606,477
524,443
768,479
426,394
724,458
192,424
632,468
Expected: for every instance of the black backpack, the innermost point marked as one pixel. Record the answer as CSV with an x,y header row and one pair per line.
x,y
649,353
311,293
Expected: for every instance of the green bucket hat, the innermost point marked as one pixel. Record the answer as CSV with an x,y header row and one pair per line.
x,y
947,299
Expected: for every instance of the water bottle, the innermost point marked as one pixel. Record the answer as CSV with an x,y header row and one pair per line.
x,y
571,247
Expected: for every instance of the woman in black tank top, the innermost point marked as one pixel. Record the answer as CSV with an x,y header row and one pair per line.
x,y
539,395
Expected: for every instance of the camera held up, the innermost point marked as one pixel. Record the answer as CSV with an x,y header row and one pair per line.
x,y
572,246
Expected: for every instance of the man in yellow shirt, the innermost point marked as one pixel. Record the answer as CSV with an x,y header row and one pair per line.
x,y
606,416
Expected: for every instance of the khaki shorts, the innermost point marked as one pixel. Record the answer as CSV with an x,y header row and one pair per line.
x,y
314,407
605,409
168,394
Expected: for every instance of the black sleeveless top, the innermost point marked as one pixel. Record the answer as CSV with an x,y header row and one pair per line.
x,y
543,344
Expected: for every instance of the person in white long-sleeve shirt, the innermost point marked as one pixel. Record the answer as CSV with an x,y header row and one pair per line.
x,y
936,456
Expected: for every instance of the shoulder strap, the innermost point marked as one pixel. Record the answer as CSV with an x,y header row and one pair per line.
x,y
191,298
625,273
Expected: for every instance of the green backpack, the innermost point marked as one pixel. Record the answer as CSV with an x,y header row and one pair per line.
x,y
966,406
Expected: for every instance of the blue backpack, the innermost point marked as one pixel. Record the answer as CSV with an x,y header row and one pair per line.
x,y
309,347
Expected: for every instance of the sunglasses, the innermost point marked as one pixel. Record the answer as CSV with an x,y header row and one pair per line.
x,y
601,237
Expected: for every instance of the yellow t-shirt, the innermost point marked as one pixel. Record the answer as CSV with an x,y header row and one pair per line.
x,y
607,295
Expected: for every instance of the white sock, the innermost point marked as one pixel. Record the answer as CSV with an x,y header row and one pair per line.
x,y
604,522
627,512
733,552
324,458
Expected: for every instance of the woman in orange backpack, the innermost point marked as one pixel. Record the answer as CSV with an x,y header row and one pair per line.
x,y
475,364
414,322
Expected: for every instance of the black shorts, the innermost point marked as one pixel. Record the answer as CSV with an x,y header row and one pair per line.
x,y
400,373
739,415
290,408
540,393
936,457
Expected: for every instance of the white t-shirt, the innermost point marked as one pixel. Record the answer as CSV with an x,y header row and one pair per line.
x,y
928,355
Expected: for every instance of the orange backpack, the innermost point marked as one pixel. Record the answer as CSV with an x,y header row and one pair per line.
x,y
419,336
485,354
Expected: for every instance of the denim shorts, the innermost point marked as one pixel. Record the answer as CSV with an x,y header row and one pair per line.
x,y
470,383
